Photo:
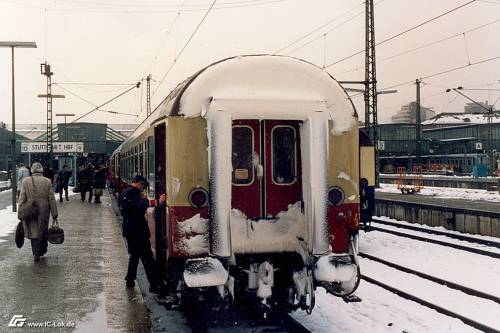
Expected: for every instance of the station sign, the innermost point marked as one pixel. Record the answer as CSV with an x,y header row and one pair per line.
x,y
57,147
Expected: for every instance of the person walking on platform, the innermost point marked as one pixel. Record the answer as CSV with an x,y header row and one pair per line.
x,y
22,173
63,177
134,204
38,188
98,183
49,173
86,182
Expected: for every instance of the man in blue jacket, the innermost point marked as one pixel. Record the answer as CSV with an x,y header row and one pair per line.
x,y
134,204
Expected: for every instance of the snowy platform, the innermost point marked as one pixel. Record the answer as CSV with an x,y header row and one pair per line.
x,y
77,283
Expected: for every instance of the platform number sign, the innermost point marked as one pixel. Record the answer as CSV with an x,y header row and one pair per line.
x,y
479,145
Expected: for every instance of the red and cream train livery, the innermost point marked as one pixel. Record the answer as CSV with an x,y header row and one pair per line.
x,y
260,159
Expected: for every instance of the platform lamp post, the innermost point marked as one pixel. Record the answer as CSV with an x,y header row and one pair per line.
x,y
13,45
490,138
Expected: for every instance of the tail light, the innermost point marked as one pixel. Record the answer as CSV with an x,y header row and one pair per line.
x,y
335,196
198,197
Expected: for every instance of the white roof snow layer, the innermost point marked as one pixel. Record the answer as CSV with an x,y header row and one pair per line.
x,y
253,80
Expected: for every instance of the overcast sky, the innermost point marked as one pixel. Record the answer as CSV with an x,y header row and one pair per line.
x,y
120,42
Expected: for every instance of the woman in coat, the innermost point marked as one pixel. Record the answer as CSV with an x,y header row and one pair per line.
x,y
38,188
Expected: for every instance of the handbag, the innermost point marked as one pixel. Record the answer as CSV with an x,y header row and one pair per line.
x,y
20,235
98,191
57,187
55,234
29,209
76,189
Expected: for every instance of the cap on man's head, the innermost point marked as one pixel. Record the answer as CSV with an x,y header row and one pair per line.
x,y
140,179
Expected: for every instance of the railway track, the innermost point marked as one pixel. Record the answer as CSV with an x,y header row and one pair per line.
x,y
462,237
439,242
440,309
440,281
245,322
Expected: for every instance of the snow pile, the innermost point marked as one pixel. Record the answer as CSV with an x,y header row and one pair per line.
x,y
193,236
449,193
204,272
259,80
286,233
8,222
330,268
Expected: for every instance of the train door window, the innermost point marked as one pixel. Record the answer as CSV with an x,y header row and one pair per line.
x,y
284,151
242,155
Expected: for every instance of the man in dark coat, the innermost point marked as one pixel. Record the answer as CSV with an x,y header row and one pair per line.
x,y
134,204
86,182
63,177
98,183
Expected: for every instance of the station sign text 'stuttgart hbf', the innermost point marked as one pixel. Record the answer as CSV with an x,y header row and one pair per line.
x,y
58,147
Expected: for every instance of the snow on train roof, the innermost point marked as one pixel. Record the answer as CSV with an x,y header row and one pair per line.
x,y
257,80
286,81
462,118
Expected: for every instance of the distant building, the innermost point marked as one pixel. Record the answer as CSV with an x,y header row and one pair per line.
x,y
474,108
408,114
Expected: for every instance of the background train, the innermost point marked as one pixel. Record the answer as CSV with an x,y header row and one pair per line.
x,y
260,159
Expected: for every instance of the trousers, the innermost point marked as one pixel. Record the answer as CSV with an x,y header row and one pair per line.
x,y
39,246
140,249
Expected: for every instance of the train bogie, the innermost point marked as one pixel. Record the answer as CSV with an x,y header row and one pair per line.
x,y
259,157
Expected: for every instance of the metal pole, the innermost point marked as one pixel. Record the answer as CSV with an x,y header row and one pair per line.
x,y
418,121
14,157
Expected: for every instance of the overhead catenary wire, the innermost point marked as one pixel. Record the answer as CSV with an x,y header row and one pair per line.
x,y
183,48
105,103
166,36
427,45
404,32
315,30
436,74
137,11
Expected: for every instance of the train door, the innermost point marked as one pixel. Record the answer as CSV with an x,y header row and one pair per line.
x,y
158,146
266,167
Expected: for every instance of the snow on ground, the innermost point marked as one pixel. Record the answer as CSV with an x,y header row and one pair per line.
x,y
469,269
482,310
8,219
8,222
447,192
379,312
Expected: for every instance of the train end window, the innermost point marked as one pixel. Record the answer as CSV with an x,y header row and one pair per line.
x,y
242,154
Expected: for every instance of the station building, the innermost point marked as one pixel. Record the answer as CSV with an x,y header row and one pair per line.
x,y
99,141
452,141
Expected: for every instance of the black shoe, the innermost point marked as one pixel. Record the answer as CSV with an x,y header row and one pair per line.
x,y
60,200
36,258
130,284
67,199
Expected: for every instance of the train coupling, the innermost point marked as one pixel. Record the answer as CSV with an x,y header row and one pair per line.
x,y
204,272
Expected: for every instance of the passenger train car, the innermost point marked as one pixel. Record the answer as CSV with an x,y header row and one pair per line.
x,y
259,157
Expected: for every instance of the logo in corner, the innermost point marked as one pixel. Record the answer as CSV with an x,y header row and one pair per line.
x,y
17,321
